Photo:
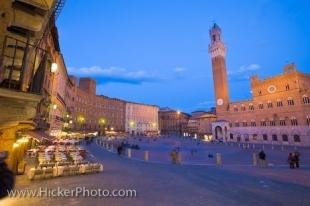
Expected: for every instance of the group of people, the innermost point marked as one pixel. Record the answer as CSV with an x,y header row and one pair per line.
x,y
293,159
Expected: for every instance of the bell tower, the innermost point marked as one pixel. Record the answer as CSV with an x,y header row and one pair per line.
x,y
217,52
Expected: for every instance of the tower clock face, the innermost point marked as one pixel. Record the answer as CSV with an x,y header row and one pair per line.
x,y
219,101
271,89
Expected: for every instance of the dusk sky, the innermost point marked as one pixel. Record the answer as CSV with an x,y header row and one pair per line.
x,y
156,51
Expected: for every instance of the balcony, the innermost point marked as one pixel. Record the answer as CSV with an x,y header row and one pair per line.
x,y
22,66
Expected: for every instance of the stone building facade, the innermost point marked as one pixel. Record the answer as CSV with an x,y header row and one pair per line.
x,y
141,119
277,113
93,113
172,122
25,62
200,125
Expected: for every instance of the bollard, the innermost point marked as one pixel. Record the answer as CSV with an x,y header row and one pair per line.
x,y
129,153
218,159
254,159
146,155
272,147
253,146
179,158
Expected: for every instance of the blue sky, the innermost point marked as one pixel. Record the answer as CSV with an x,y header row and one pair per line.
x,y
156,51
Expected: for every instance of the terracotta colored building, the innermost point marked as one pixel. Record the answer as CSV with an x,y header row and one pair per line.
x,y
172,122
91,113
141,119
277,113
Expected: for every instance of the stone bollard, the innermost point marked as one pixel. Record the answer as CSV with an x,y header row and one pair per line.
x,y
253,146
146,155
254,159
239,144
129,153
218,159
272,147
179,160
282,148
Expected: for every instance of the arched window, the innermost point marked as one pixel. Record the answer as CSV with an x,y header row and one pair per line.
x,y
287,87
305,99
272,122
274,137
242,107
265,137
261,105
251,107
279,103
269,104
253,123
235,108
308,119
282,122
294,121
244,123
290,101
296,138
236,124
284,138
263,122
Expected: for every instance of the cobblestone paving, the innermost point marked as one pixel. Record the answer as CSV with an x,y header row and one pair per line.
x,y
165,184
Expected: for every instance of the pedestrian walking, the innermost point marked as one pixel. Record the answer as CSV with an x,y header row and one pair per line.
x,y
291,160
296,157
262,158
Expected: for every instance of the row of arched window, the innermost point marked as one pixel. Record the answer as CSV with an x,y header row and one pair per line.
x,y
274,137
278,103
269,122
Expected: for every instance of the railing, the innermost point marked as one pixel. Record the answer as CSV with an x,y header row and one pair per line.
x,y
22,66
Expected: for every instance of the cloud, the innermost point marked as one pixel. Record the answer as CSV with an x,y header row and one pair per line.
x,y
179,69
243,72
245,69
115,74
208,103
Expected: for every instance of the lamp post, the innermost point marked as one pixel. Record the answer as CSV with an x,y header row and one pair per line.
x,y
131,125
81,121
178,121
102,123
54,68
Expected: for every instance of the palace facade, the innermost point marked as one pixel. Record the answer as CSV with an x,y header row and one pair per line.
x,y
277,113
141,119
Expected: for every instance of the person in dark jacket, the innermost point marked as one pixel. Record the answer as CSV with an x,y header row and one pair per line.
x,y
296,157
262,158
291,160
6,176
